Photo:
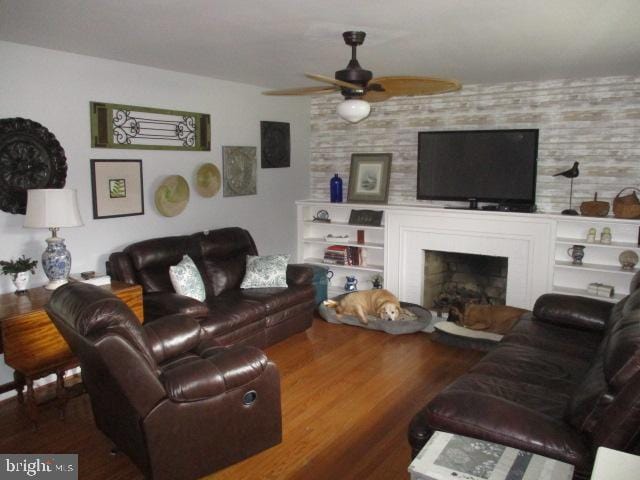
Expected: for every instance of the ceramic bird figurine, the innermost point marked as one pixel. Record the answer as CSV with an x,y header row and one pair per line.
x,y
573,172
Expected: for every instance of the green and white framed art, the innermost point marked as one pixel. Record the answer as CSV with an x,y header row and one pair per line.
x,y
369,177
116,187
128,126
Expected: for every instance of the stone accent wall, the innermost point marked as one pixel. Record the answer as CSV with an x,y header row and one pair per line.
x,y
594,121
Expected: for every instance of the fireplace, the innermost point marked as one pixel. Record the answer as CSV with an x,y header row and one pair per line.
x,y
452,277
526,241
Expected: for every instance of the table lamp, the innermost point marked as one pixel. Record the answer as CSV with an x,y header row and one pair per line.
x,y
53,208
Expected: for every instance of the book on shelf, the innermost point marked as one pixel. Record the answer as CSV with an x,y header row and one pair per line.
x,y
343,255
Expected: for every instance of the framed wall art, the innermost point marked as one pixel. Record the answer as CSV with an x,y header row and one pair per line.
x,y
275,145
172,196
30,157
239,166
116,187
129,126
208,180
369,177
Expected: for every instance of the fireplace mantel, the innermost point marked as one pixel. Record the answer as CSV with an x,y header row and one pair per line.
x,y
527,240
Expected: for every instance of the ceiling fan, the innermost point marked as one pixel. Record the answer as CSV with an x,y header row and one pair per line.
x,y
359,87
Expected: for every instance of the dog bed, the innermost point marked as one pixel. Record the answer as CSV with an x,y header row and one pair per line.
x,y
419,320
454,335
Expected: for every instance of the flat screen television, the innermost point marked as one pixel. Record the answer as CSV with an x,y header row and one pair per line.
x,y
497,166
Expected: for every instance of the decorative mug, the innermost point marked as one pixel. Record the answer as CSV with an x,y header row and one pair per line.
x,y
576,253
351,285
329,275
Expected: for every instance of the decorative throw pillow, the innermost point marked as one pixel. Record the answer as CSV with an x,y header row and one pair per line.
x,y
266,271
186,279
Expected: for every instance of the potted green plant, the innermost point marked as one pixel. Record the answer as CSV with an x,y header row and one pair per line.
x,y
19,270
376,280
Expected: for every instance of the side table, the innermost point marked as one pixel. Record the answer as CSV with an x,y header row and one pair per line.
x,y
32,345
615,465
447,456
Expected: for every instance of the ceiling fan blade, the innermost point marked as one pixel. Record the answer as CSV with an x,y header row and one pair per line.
x,y
410,86
340,83
302,91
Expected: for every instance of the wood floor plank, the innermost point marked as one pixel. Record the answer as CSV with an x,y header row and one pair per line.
x,y
348,395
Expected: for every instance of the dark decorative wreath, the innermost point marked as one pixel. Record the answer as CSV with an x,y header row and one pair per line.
x,y
30,157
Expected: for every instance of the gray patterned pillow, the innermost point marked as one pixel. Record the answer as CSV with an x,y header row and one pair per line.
x,y
266,271
186,279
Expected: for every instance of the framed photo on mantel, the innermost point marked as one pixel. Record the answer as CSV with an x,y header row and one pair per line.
x,y
369,177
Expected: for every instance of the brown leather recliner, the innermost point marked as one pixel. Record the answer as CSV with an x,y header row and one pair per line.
x,y
178,406
565,381
257,316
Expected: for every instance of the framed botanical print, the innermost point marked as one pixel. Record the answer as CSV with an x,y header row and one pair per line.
x,y
369,177
116,187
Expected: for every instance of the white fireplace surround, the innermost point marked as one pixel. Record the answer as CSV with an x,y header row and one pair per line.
x,y
526,240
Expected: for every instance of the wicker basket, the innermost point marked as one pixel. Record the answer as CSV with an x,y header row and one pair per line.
x,y
594,208
626,206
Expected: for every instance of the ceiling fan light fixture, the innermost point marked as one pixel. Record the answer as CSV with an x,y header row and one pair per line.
x,y
354,110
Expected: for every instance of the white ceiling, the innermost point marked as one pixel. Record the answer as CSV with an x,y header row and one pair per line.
x,y
272,42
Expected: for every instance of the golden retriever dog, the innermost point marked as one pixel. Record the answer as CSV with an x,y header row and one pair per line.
x,y
491,318
377,302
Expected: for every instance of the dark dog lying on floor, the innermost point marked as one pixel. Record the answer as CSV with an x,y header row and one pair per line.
x,y
490,318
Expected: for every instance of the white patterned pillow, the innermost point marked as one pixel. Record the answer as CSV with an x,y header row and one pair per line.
x,y
186,279
266,271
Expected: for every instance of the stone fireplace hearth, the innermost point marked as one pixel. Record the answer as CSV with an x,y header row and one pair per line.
x,y
452,277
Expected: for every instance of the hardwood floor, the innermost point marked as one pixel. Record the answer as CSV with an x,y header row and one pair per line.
x,y
348,395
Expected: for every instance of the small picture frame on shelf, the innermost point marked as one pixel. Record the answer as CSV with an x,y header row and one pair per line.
x,y
369,177
368,218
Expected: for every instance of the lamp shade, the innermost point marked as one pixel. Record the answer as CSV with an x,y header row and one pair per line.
x,y
52,208
354,110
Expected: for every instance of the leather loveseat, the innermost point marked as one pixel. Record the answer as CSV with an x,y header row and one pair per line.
x,y
565,381
258,316
178,404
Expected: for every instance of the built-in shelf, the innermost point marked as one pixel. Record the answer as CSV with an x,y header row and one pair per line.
x,y
581,241
584,293
602,259
343,224
363,268
349,243
552,235
313,242
594,267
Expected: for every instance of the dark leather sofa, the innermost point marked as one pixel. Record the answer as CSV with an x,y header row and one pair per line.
x,y
177,403
258,317
565,381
